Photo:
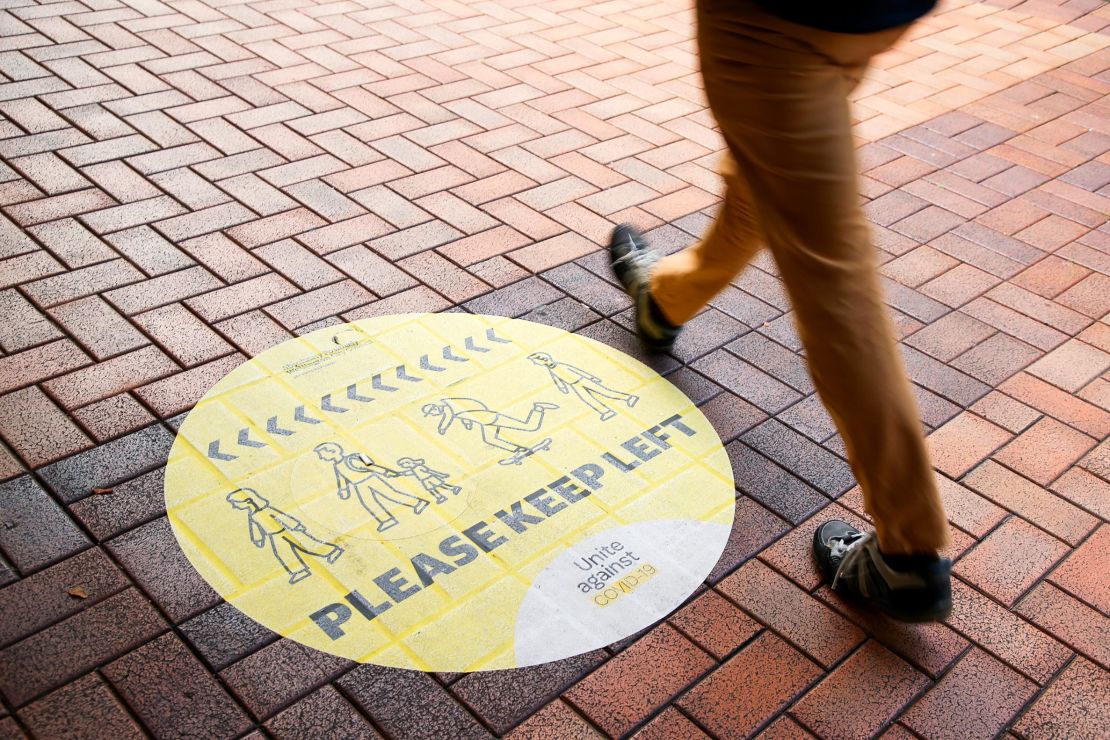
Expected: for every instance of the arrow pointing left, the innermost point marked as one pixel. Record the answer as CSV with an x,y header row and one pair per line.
x,y
273,428
215,454
469,344
246,441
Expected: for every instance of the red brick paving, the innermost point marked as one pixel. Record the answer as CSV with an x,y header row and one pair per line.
x,y
976,699
184,186
1074,706
750,687
836,706
617,712
109,418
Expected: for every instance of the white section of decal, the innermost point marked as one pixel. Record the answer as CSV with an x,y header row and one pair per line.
x,y
614,584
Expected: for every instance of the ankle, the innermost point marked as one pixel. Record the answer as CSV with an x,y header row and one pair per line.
x,y
657,314
910,562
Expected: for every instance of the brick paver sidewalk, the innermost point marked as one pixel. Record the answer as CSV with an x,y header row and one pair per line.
x,y
187,182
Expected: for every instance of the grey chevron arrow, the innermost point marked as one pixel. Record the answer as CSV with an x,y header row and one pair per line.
x,y
325,405
377,384
215,454
246,441
299,415
273,428
449,355
352,393
469,343
426,364
494,338
402,375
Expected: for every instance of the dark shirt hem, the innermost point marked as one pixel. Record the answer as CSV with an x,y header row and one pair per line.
x,y
849,16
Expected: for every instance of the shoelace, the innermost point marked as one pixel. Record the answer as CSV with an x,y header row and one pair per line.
x,y
641,258
854,561
850,550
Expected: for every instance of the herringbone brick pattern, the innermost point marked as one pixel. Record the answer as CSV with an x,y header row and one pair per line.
x,y
185,183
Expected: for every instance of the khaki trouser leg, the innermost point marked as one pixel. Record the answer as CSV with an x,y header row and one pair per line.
x,y
683,282
780,94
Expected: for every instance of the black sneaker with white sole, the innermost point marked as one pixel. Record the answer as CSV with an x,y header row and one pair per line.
x,y
632,262
908,588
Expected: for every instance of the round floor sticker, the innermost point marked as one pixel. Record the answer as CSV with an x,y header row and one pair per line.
x,y
449,492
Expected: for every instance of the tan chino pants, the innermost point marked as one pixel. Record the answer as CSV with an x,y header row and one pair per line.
x,y
780,94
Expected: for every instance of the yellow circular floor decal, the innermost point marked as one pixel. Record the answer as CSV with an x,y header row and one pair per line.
x,y
448,492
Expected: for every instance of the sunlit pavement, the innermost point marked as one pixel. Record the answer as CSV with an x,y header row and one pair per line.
x,y
186,183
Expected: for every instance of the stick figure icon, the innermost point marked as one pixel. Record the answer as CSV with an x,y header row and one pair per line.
x,y
432,481
359,474
472,414
587,387
287,537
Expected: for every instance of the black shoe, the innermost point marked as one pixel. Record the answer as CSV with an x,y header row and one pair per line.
x,y
632,262
921,593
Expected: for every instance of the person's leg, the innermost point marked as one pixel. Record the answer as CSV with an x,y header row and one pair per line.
x,y
386,490
783,108
684,282
587,396
291,560
306,543
494,439
432,487
598,390
530,423
368,497
670,291
779,92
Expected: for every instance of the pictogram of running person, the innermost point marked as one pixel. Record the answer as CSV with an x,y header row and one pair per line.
x,y
432,481
473,414
287,537
357,473
589,388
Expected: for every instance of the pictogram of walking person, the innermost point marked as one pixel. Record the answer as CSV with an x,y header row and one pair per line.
x,y
473,414
432,481
287,537
589,388
356,473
